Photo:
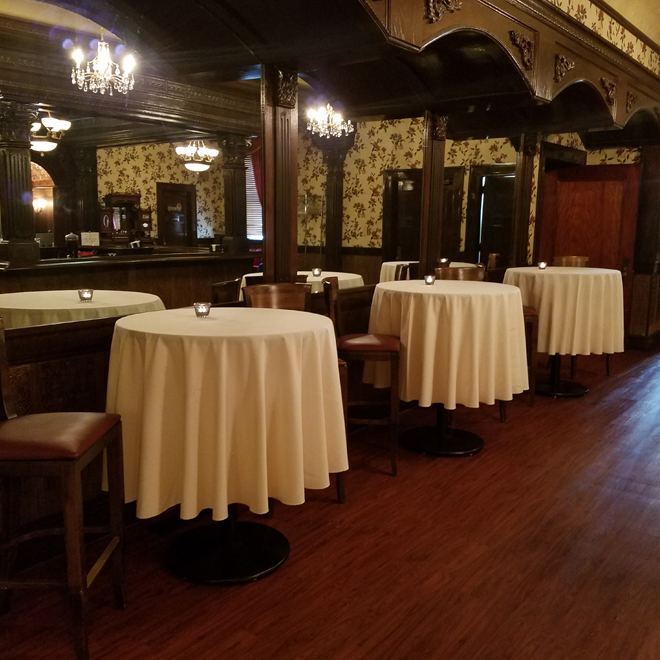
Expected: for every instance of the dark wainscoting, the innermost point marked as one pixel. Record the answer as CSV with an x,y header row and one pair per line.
x,y
179,280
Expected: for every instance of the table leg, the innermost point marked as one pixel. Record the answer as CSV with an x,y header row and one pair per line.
x,y
557,387
442,439
228,552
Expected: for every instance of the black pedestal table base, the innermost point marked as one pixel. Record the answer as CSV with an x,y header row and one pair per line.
x,y
442,440
228,552
557,387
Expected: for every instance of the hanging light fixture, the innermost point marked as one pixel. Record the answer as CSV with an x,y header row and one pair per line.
x,y
328,123
102,74
197,157
47,133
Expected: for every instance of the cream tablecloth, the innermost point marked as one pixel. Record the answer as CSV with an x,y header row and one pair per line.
x,y
238,407
580,309
388,268
346,280
27,308
461,342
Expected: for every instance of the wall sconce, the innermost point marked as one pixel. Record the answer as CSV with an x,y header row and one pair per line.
x,y
39,205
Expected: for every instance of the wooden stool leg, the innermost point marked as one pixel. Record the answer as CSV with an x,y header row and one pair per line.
x,y
115,460
394,414
573,366
502,411
9,514
341,493
75,557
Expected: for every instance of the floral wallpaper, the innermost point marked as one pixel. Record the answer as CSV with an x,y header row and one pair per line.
x,y
137,169
380,146
312,174
607,27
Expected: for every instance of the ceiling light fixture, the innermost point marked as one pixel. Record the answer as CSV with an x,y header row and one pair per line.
x,y
197,157
47,133
328,123
102,74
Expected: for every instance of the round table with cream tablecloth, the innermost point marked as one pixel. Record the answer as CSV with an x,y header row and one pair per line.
x,y
388,268
580,312
29,308
346,280
461,342
234,408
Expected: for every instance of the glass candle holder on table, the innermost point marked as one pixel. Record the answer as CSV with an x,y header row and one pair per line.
x,y
543,265
429,279
85,295
316,272
202,309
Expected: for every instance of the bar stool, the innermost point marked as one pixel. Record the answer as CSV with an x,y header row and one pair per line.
x,y
59,445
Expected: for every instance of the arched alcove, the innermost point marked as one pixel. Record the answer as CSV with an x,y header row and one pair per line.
x,y
42,200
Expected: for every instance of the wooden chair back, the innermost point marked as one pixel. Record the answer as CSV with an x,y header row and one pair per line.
x,y
413,270
281,295
349,309
225,292
575,262
467,273
7,409
401,272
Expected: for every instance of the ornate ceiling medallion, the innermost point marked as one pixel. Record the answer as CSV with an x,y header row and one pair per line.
x,y
562,66
435,9
526,48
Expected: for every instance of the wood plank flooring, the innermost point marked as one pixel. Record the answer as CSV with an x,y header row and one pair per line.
x,y
545,546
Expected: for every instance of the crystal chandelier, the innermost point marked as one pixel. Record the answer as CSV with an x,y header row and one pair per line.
x,y
47,133
102,74
328,123
196,156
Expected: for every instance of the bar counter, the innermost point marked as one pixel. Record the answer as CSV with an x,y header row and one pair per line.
x,y
178,278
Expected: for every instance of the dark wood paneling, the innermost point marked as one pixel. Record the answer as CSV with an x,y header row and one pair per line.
x,y
177,280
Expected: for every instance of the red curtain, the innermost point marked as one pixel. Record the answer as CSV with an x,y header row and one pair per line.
x,y
255,154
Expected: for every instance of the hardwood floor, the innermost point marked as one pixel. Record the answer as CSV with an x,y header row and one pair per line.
x,y
545,546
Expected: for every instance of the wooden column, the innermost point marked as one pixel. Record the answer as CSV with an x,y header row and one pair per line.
x,y
334,155
522,197
86,189
234,150
279,109
435,136
16,213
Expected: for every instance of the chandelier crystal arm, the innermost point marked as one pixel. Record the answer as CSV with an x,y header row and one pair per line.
x,y
325,122
102,74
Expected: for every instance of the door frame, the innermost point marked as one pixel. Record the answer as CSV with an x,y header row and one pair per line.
x,y
191,221
473,211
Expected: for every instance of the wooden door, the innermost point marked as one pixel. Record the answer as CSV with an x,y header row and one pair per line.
x,y
177,213
592,211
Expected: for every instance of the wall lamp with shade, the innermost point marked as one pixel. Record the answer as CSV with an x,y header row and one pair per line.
x,y
39,204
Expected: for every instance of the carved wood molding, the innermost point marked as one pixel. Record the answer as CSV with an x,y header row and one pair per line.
x,y
631,99
234,149
286,89
562,66
15,123
610,90
526,48
435,9
439,127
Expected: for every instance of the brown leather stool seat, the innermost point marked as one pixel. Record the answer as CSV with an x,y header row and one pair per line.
x,y
52,436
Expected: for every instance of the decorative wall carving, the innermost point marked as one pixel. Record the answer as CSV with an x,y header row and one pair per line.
x,y
630,102
439,127
610,90
234,149
15,122
526,48
286,89
435,9
562,66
